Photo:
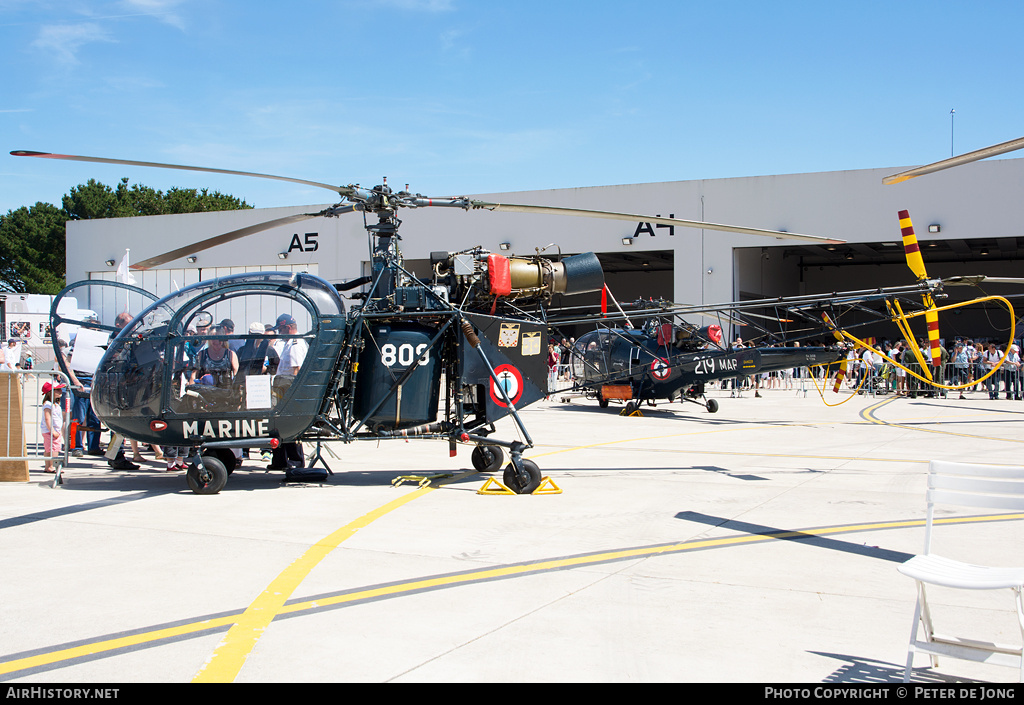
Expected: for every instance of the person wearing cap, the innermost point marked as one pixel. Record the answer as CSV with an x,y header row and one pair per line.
x,y
991,359
293,354
12,355
257,356
228,327
961,367
1010,372
51,424
216,360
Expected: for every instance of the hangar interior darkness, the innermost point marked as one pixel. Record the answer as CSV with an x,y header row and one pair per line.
x,y
797,269
794,269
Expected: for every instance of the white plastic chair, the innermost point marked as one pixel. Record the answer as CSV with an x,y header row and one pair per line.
x,y
965,485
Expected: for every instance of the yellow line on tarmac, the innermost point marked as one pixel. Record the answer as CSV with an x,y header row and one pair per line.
x,y
100,647
115,644
641,552
657,438
868,414
230,655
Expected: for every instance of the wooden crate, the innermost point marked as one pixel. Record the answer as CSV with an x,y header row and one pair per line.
x,y
12,430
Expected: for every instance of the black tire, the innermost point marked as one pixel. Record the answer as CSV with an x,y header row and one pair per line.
x,y
511,478
488,458
211,479
603,403
226,457
712,406
631,407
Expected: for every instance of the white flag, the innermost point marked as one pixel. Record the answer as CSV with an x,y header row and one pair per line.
x,y
123,273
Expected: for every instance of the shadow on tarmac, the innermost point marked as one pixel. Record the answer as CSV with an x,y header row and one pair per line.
x,y
865,670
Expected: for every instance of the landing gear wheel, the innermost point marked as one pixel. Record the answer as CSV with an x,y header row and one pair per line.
x,y
512,481
603,403
211,479
631,407
225,456
712,406
488,458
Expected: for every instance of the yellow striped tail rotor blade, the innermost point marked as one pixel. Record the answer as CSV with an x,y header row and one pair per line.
x,y
839,377
832,326
911,248
916,263
932,318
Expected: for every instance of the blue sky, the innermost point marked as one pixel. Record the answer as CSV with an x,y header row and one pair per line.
x,y
459,97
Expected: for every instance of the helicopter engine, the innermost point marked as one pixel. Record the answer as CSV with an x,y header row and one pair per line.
x,y
478,276
694,338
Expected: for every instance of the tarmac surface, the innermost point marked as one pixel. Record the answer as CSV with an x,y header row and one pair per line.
x,y
756,545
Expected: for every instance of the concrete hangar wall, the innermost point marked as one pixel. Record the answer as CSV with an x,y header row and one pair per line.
x,y
977,208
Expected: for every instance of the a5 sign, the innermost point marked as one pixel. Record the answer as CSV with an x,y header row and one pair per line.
x,y
309,244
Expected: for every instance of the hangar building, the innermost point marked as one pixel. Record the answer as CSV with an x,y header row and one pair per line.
x,y
968,220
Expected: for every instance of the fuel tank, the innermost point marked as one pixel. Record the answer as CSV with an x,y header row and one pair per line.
x,y
390,350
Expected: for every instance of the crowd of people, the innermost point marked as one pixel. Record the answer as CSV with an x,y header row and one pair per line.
x,y
966,364
209,357
963,362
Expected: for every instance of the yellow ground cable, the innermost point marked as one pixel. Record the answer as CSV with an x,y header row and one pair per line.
x,y
821,389
917,352
910,338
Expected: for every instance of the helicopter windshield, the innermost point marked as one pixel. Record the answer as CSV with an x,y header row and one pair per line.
x,y
185,354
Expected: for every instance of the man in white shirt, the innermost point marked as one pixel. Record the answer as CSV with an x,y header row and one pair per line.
x,y
12,354
293,354
991,359
288,456
1011,373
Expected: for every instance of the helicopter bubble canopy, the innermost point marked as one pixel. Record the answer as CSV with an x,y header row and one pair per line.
x,y
153,371
84,316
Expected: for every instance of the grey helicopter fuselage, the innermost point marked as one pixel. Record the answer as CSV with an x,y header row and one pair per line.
x,y
661,366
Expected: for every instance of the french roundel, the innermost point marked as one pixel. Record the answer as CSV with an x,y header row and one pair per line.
x,y
660,369
511,381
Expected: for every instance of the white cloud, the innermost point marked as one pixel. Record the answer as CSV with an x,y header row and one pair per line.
x,y
64,41
163,10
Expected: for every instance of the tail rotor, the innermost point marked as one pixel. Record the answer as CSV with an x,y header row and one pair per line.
x,y
916,263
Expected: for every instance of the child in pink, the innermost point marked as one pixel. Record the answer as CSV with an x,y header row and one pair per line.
x,y
52,423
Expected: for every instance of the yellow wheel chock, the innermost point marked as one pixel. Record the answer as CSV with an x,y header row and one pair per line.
x,y
421,480
546,486
498,488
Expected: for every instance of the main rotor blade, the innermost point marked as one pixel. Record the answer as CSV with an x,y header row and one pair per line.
x,y
985,153
228,237
554,210
342,190
973,280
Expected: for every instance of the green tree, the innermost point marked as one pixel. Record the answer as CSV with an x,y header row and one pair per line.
x,y
97,200
32,249
32,239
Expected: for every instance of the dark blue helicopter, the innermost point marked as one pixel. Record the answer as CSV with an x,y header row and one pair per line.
x,y
440,357
674,361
